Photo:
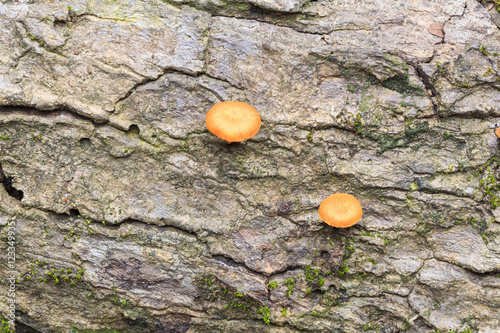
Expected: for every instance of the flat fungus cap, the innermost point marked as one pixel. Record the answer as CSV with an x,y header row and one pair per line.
x,y
497,132
340,210
233,121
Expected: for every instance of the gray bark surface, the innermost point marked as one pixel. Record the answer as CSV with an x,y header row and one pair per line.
x,y
131,217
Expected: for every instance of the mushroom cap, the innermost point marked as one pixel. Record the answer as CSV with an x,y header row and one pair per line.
x,y
340,210
233,121
497,132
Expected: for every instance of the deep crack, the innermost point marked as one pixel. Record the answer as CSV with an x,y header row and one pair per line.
x,y
228,261
7,184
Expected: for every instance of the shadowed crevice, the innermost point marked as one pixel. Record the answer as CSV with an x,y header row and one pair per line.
x,y
7,184
25,328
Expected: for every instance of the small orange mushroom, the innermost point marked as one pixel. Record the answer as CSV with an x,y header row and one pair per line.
x,y
233,121
497,132
340,210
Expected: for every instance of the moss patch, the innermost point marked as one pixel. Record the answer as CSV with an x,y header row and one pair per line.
x,y
412,133
401,84
4,325
232,304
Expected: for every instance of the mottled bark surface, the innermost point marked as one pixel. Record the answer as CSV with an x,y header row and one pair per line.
x,y
131,217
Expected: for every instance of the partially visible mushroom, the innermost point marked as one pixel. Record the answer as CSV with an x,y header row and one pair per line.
x,y
340,210
233,121
497,132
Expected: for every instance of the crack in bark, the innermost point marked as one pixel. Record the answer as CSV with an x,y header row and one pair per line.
x,y
27,325
460,15
424,78
116,226
276,18
476,114
39,41
229,261
142,82
252,13
285,270
178,229
470,115
437,191
167,71
297,29
61,111
87,15
51,113
417,313
427,81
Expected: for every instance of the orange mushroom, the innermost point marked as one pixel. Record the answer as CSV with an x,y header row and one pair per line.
x,y
497,132
233,121
340,210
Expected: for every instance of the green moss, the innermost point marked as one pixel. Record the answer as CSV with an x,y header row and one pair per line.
x,y
266,314
411,134
370,80
349,248
413,186
236,303
315,278
401,84
309,136
44,272
395,61
489,185
364,105
4,326
290,283
343,270
358,78
484,50
423,229
272,285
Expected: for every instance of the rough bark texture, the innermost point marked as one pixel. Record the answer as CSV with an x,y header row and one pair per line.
x,y
131,217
